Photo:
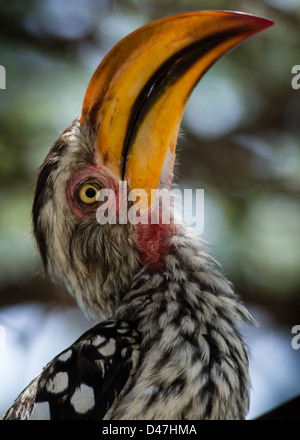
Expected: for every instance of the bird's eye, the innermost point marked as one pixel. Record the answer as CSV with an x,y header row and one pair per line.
x,y
88,193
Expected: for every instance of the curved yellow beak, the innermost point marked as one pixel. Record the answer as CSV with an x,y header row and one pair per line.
x,y
137,96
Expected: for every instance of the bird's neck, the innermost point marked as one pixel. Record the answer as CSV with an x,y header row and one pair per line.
x,y
154,244
186,276
187,314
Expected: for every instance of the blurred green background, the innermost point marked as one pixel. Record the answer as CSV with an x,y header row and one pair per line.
x,y
240,143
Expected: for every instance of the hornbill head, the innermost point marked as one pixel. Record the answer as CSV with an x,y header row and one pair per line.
x,y
127,132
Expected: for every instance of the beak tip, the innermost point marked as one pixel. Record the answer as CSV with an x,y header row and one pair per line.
x,y
264,23
259,23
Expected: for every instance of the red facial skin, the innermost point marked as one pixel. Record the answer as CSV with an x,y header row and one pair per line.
x,y
153,243
152,240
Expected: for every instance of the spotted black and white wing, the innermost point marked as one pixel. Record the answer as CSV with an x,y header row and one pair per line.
x,y
85,379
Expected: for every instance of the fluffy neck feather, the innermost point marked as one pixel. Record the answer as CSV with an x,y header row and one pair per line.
x,y
193,357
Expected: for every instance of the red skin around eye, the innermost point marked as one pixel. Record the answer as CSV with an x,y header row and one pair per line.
x,y
83,174
152,240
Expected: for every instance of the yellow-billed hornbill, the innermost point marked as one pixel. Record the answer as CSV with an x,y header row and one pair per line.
x,y
169,346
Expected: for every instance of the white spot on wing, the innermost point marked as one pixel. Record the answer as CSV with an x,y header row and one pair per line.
x,y
40,411
109,324
98,340
65,356
108,349
123,330
58,383
83,399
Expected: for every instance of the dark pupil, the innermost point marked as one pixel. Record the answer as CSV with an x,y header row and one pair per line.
x,y
90,193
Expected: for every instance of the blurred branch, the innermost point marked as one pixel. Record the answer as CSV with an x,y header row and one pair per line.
x,y
14,32
37,289
42,290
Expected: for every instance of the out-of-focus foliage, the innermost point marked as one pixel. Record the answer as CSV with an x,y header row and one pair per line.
x,y
241,136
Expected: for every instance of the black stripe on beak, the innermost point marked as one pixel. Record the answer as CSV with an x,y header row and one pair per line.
x,y
164,77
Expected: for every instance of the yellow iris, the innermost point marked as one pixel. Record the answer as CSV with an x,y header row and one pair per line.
x,y
88,193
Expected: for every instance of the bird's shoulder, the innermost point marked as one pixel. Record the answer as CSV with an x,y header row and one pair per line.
x,y
84,380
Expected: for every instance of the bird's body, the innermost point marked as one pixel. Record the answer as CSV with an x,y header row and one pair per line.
x,y
168,346
195,336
